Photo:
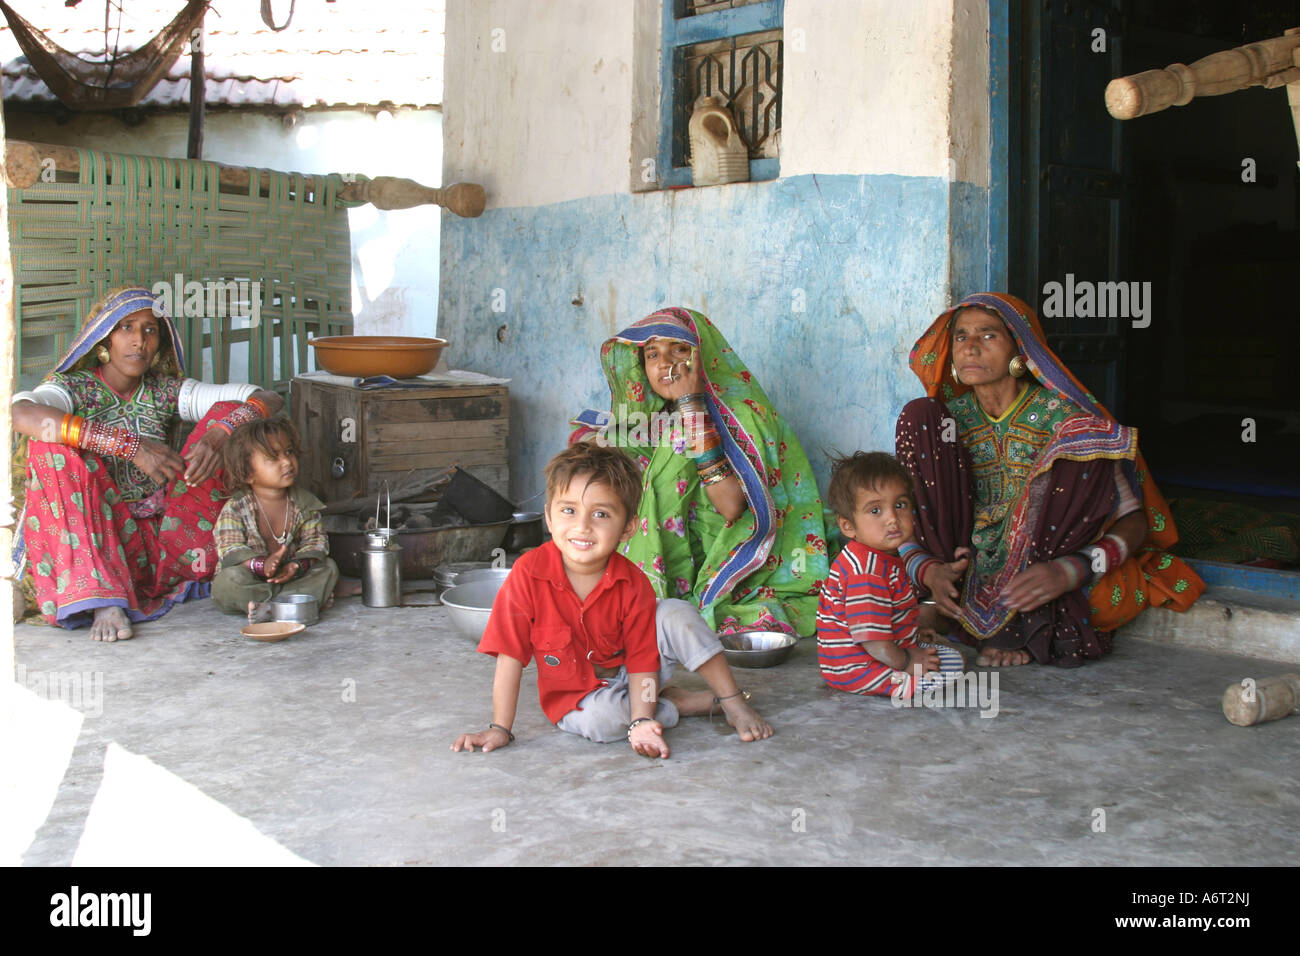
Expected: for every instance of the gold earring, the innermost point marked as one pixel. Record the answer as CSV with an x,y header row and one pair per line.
x,y
1017,367
101,353
955,377
157,357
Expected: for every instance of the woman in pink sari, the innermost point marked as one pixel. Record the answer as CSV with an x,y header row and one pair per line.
x,y
117,526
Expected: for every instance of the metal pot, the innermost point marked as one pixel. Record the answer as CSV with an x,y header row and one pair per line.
x,y
296,608
526,531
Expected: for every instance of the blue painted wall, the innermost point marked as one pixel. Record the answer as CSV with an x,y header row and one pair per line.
x,y
875,257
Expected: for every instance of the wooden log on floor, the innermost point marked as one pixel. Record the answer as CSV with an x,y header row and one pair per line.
x,y
25,161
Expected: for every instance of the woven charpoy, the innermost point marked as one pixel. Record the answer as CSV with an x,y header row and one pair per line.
x,y
139,220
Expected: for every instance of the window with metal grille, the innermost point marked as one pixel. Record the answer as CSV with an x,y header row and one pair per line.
x,y
731,49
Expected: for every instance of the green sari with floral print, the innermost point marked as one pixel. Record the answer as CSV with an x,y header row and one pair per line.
x,y
759,572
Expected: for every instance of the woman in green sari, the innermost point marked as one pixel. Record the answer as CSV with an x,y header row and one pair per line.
x,y
730,517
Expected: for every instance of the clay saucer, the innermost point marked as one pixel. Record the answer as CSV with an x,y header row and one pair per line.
x,y
271,631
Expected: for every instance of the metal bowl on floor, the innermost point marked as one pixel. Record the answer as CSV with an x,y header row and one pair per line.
x,y
497,575
470,605
757,648
298,608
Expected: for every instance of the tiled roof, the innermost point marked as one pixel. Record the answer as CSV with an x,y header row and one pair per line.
x,y
346,53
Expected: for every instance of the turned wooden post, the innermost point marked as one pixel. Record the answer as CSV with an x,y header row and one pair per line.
x,y
23,168
1269,63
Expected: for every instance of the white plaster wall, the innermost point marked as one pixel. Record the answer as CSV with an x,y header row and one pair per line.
x,y
868,94
968,116
394,253
544,105
559,100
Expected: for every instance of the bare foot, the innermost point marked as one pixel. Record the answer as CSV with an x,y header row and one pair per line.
x,y
259,612
749,725
699,703
995,658
347,587
110,624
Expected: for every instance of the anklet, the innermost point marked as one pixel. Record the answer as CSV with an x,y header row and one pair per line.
x,y
744,694
718,700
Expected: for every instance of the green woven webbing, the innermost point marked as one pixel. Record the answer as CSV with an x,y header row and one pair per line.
x,y
144,219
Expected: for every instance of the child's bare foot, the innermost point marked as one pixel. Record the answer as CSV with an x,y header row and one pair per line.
x,y
110,624
259,611
347,587
749,725
700,703
989,657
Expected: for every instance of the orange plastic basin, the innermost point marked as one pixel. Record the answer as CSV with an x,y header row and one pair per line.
x,y
401,356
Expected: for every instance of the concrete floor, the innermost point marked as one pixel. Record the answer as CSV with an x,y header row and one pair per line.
x,y
256,753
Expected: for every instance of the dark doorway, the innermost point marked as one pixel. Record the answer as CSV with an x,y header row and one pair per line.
x,y
1162,199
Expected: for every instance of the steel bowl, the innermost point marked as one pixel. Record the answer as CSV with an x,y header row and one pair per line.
x,y
757,648
445,575
401,356
497,575
297,608
470,605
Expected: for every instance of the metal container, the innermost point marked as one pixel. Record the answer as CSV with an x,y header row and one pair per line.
x,y
381,574
423,550
296,608
526,531
757,648
445,575
469,606
496,575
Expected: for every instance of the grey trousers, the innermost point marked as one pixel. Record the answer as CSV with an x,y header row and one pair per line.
x,y
684,639
235,586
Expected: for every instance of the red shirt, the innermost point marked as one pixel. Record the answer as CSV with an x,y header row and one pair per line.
x,y
537,614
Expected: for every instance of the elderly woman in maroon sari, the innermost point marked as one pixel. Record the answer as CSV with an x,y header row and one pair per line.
x,y
1039,529
117,527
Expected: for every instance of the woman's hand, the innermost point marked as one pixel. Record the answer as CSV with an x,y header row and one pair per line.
x,y
689,379
205,456
941,580
158,461
1036,585
273,401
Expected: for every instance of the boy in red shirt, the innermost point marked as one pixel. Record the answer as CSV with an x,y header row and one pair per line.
x,y
589,618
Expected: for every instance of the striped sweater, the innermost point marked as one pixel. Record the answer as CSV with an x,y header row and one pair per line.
x,y
866,597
